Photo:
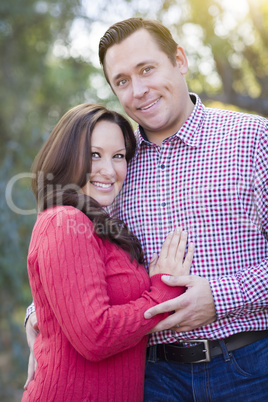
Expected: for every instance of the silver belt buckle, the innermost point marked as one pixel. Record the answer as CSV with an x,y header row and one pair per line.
x,y
205,350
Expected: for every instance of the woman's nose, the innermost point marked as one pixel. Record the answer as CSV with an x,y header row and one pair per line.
x,y
107,168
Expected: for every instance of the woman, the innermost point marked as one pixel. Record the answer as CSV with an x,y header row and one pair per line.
x,y
89,287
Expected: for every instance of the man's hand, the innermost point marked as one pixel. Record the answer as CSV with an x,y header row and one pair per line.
x,y
31,334
193,309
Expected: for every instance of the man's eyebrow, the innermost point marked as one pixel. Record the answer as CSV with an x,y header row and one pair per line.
x,y
117,76
139,65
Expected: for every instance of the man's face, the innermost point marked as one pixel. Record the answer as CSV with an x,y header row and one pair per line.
x,y
151,89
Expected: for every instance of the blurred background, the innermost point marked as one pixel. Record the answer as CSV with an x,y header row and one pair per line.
x,y
49,63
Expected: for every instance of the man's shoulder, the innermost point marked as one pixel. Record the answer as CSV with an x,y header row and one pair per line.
x,y
234,115
235,119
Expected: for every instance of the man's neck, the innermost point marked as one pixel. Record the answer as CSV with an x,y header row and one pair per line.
x,y
158,137
154,138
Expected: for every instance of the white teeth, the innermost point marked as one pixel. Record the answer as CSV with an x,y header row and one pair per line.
x,y
103,185
151,104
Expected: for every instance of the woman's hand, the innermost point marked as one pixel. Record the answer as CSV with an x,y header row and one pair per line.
x,y
171,260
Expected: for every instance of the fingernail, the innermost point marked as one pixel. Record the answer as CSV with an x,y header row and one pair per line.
x,y
165,277
147,315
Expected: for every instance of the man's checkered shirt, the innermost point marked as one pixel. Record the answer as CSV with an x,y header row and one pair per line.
x,y
211,178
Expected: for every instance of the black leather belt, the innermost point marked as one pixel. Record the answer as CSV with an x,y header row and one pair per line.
x,y
204,349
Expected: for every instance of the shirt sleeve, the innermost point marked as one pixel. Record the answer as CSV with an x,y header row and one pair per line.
x,y
30,309
72,273
246,292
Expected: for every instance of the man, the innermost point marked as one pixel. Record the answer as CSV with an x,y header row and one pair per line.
x,y
206,170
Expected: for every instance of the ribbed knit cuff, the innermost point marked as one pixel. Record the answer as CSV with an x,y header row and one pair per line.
x,y
166,292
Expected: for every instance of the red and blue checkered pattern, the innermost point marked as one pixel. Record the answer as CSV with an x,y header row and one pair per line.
x,y
211,178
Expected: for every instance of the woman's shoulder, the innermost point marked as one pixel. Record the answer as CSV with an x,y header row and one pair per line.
x,y
63,216
62,211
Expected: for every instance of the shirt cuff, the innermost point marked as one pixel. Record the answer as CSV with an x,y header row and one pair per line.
x,y
228,298
29,311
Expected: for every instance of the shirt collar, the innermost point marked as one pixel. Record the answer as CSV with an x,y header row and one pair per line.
x,y
190,132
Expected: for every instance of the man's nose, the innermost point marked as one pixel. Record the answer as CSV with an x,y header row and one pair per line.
x,y
139,87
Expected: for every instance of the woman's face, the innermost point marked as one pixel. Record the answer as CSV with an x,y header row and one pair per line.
x,y
109,165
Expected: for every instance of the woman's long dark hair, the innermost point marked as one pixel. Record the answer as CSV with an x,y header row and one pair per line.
x,y
63,165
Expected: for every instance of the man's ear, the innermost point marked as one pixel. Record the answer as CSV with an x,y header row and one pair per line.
x,y
181,60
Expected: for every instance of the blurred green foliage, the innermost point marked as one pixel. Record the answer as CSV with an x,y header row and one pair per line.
x,y
227,46
41,77
36,89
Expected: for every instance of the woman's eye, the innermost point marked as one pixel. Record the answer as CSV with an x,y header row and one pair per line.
x,y
119,156
95,155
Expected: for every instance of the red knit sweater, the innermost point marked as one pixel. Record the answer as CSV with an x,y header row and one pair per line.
x,y
89,301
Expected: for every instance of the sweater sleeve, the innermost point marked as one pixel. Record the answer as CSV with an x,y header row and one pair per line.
x,y
72,273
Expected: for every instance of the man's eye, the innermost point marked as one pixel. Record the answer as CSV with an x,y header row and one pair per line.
x,y
122,82
147,69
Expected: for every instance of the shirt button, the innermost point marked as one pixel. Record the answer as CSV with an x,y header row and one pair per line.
x,y
164,204
162,166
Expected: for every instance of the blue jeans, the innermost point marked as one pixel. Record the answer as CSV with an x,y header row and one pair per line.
x,y
238,376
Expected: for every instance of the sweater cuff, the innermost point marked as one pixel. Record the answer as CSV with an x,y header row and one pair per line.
x,y
164,291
